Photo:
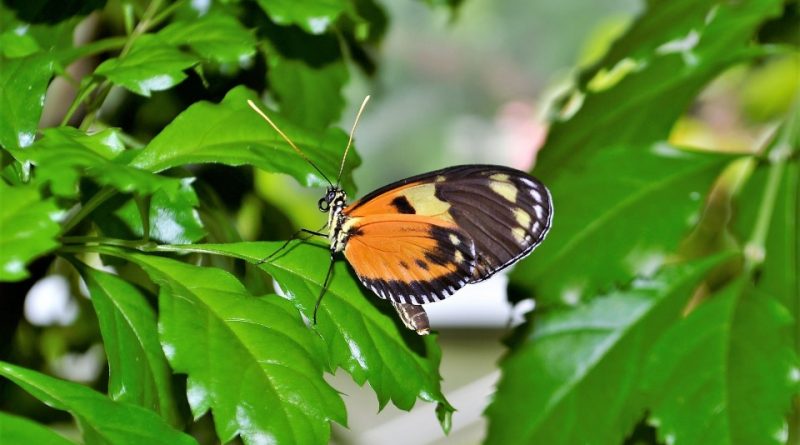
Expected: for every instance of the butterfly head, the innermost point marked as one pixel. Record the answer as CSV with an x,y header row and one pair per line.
x,y
334,198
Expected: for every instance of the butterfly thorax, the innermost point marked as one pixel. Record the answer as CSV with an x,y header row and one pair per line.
x,y
334,202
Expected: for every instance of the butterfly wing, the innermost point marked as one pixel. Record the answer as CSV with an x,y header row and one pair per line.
x,y
506,213
410,259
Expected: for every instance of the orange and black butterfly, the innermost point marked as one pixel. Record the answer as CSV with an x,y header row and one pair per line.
x,y
421,239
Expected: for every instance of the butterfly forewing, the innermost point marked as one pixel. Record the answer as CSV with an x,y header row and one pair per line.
x,y
501,213
411,259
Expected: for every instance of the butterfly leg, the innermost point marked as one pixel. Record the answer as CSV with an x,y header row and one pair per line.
x,y
295,236
414,317
324,288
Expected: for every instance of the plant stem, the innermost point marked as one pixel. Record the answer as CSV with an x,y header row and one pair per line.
x,y
93,203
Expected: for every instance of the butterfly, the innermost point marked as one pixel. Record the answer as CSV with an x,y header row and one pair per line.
x,y
421,239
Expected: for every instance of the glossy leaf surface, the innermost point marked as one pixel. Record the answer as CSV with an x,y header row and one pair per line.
x,y
363,334
28,229
138,370
151,65
233,134
589,394
102,420
250,360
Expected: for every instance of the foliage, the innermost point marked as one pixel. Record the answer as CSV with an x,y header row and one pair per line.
x,y
666,292
613,341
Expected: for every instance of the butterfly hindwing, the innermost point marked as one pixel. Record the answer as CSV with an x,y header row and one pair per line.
x,y
408,258
504,212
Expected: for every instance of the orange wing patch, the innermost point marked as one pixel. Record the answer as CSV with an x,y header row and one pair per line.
x,y
417,197
409,258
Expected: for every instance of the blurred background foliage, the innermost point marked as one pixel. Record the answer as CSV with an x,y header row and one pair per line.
x,y
664,300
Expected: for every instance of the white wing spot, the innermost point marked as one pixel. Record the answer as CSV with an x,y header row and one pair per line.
x,y
536,195
539,211
454,239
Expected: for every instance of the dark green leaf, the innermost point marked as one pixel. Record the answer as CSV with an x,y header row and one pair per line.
x,y
619,212
233,134
314,16
138,370
217,37
173,217
574,378
64,155
307,94
151,65
23,82
727,371
250,360
101,420
21,431
44,11
660,23
364,336
27,229
641,108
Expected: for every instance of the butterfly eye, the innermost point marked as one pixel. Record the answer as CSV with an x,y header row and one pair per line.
x,y
323,205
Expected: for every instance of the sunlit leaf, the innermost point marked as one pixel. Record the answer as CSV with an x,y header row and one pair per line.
x,y
21,431
138,370
233,134
28,229
101,420
250,360
314,16
727,372
621,217
65,155
574,378
363,335
151,65
217,37
23,82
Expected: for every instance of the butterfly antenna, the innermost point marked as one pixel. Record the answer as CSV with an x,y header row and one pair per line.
x,y
286,138
350,141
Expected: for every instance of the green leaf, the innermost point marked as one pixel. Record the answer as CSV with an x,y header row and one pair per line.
x,y
17,45
101,420
28,229
250,360
138,371
151,65
231,133
661,22
308,94
641,108
23,82
314,16
22,37
574,379
633,205
64,155
173,217
217,37
727,371
21,431
364,336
